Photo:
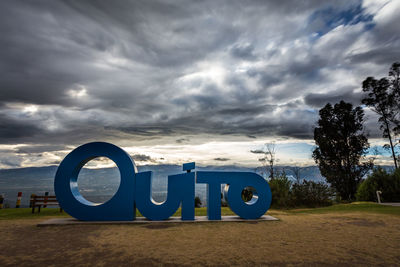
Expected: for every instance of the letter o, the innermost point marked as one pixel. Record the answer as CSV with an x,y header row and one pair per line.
x,y
254,209
120,207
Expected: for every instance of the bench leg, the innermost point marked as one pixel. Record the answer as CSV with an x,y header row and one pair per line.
x,y
33,208
39,208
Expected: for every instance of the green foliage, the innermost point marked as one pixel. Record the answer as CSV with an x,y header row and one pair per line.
x,y
285,194
365,207
387,183
340,146
247,194
197,202
26,213
311,194
23,213
383,97
280,188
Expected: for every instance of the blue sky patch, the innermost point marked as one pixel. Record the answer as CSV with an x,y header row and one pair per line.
x,y
324,20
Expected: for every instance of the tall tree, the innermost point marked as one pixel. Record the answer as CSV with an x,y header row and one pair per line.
x,y
341,144
394,78
383,97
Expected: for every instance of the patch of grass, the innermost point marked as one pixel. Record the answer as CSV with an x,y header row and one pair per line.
x,y
369,207
26,213
225,211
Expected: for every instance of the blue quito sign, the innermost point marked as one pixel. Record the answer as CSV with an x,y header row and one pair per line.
x,y
135,190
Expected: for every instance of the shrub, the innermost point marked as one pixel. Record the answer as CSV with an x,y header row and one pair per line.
x,y
197,202
311,194
247,194
305,194
387,183
280,189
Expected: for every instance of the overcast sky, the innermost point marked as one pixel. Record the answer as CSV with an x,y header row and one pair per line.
x,y
176,81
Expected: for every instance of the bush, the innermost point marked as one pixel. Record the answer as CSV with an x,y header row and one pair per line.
x,y
387,183
280,189
305,194
197,202
247,194
311,194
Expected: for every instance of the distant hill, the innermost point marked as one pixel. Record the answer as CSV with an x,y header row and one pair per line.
x,y
98,185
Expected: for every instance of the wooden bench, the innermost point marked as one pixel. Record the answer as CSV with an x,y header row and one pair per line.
x,y
43,201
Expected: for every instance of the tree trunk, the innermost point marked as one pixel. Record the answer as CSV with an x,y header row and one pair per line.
x,y
391,145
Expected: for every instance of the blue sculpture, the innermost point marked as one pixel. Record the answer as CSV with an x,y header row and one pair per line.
x,y
235,183
180,190
121,207
135,190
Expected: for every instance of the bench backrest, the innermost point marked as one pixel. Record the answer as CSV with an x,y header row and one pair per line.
x,y
44,199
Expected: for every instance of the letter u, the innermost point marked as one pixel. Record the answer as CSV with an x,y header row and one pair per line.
x,y
180,190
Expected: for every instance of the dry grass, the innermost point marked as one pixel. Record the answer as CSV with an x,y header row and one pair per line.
x,y
297,239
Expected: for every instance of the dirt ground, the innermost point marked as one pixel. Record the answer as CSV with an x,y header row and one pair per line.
x,y
352,239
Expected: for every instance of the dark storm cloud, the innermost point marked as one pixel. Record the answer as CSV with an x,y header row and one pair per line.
x,y
182,140
11,162
257,151
141,157
320,100
307,68
39,149
79,71
243,51
17,129
221,159
378,56
266,76
136,19
38,63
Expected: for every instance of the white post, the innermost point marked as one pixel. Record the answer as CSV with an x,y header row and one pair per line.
x,y
378,196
